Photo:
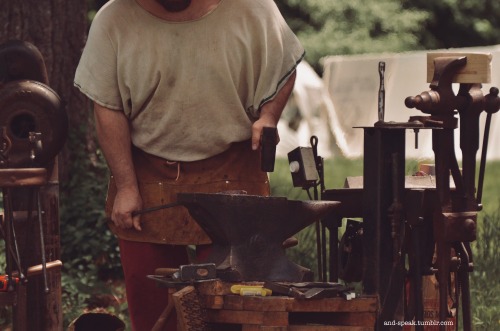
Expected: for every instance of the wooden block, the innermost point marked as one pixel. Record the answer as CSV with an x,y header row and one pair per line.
x,y
328,328
236,302
8,298
212,301
23,177
477,69
248,317
360,304
251,327
333,318
215,287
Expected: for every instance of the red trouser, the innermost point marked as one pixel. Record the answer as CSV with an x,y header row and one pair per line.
x,y
146,301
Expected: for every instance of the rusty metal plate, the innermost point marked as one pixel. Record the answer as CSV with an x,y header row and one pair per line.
x,y
29,106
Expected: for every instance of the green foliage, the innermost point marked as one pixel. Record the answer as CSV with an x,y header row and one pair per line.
x,y
455,23
89,250
345,27
485,282
353,26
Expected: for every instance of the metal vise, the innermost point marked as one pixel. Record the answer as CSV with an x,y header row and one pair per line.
x,y
455,215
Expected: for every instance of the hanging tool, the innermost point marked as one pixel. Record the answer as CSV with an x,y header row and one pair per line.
x,y
492,105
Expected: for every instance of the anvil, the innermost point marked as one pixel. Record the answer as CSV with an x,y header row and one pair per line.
x,y
247,232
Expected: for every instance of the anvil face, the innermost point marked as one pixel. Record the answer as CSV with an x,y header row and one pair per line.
x,y
247,232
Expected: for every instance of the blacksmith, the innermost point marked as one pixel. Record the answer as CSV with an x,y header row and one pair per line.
x,y
181,92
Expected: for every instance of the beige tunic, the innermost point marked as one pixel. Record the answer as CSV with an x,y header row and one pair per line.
x,y
192,88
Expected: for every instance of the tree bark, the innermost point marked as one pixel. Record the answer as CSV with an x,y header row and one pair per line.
x,y
58,28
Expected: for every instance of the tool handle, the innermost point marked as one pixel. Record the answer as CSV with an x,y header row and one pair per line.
x,y
268,148
156,208
38,269
166,271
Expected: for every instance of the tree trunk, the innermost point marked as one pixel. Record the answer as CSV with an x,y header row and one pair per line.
x,y
58,28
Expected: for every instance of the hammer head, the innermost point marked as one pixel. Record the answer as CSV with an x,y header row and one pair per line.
x,y
192,272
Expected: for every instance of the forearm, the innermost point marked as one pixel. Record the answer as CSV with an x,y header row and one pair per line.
x,y
113,134
270,112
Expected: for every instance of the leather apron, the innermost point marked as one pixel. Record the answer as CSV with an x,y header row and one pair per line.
x,y
160,180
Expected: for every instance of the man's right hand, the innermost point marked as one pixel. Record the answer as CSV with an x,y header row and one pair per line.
x,y
127,201
113,133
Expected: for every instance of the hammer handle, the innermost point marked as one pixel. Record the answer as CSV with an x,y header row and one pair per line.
x,y
38,269
268,150
166,271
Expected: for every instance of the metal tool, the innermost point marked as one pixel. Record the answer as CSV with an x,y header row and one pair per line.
x,y
492,105
42,240
454,220
155,208
308,290
189,272
381,92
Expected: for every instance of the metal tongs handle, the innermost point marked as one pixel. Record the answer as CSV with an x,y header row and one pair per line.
x,y
155,208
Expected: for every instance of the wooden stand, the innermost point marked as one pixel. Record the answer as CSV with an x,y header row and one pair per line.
x,y
281,313
33,308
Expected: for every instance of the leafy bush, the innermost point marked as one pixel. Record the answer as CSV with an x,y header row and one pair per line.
x,y
89,250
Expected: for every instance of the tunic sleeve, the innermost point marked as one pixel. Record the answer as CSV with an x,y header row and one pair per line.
x,y
96,74
280,53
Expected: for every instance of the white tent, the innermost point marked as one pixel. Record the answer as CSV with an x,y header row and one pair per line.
x,y
309,112
353,83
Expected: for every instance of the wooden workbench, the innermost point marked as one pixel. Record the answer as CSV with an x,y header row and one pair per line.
x,y
282,313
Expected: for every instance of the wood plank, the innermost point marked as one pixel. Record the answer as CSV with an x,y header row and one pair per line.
x,y
333,318
8,298
328,328
252,327
23,177
275,318
248,317
235,302
360,304
477,69
212,301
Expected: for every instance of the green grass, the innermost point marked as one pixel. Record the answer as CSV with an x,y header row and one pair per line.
x,y
485,283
